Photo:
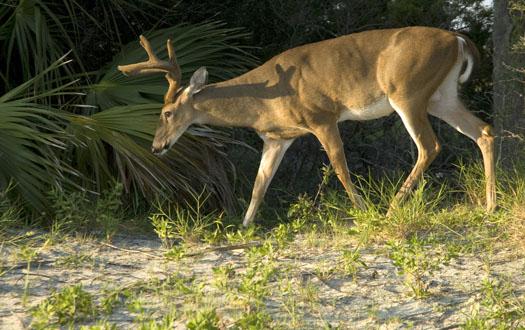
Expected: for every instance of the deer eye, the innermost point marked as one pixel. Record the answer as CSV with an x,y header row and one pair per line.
x,y
168,114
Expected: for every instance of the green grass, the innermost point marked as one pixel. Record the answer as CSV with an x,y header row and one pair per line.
x,y
433,228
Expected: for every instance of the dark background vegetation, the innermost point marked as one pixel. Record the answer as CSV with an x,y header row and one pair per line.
x,y
101,34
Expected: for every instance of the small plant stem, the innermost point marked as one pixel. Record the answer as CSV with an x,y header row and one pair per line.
x,y
26,283
131,250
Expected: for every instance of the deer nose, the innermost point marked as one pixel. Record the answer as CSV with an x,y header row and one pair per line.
x,y
159,150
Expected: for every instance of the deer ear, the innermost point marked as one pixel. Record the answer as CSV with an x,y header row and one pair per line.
x,y
198,80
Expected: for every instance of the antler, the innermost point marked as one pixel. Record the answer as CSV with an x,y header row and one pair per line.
x,y
154,65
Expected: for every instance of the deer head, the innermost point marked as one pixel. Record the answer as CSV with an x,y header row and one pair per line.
x,y
178,112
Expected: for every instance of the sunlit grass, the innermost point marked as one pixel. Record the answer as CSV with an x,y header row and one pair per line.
x,y
433,227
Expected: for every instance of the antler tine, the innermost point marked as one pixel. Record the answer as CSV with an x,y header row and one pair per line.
x,y
174,77
154,65
147,47
171,51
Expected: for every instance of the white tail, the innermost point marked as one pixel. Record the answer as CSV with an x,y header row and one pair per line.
x,y
468,57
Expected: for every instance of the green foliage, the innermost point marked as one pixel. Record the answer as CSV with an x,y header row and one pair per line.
x,y
74,260
206,44
67,217
76,211
206,319
32,140
100,325
254,284
325,211
417,262
410,217
112,300
499,308
222,276
64,307
351,262
256,320
35,34
56,137
107,210
167,323
10,214
189,224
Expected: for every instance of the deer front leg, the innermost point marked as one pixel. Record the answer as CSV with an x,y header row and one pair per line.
x,y
273,152
331,141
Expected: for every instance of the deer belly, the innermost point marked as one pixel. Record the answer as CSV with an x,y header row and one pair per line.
x,y
380,108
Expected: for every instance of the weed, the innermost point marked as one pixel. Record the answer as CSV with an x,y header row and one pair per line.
x,y
188,224
182,285
10,214
411,217
254,283
222,275
107,210
242,235
499,308
303,210
309,293
75,212
135,306
283,234
329,326
74,260
113,299
70,212
472,182
324,271
289,301
68,305
166,323
351,262
27,254
206,319
416,263
324,210
175,253
253,320
101,325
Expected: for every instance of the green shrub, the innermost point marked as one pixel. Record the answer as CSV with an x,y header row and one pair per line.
x,y
66,306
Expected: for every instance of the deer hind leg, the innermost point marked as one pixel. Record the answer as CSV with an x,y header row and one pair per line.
x,y
418,126
456,115
273,152
332,144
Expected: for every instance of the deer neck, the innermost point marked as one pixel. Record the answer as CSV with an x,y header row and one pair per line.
x,y
231,103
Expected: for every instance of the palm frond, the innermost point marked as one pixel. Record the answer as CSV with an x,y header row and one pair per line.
x,y
128,113
35,34
32,138
116,141
208,44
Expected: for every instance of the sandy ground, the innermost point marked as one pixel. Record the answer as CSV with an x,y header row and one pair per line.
x,y
377,297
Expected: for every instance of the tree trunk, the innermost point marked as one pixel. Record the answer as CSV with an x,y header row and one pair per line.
x,y
509,86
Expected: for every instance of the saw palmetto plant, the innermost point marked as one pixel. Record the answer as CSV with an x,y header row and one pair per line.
x,y
64,126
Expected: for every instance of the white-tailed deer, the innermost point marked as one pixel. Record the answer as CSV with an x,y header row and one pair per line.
x,y
412,71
